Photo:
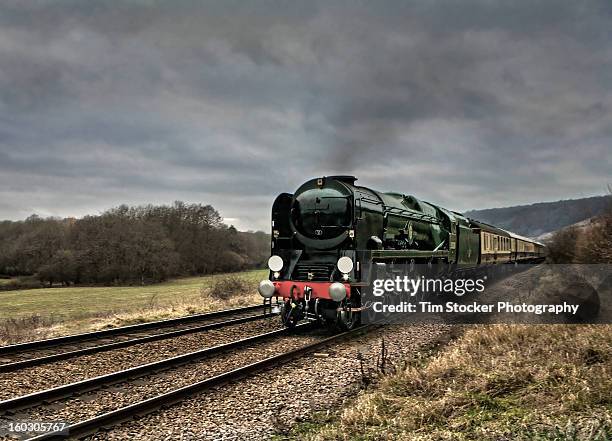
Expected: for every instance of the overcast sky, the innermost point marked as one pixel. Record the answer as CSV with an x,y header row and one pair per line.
x,y
468,104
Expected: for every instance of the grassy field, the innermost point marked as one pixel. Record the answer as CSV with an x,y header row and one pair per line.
x,y
547,382
78,308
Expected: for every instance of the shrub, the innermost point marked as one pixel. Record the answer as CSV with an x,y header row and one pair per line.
x,y
562,246
19,329
596,246
228,286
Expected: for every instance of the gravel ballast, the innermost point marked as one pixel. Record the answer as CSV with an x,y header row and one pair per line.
x,y
96,402
55,374
272,402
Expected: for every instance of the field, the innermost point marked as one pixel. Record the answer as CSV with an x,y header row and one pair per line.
x,y
542,382
80,308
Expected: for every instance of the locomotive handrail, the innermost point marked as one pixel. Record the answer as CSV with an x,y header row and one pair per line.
x,y
409,213
414,214
392,254
371,201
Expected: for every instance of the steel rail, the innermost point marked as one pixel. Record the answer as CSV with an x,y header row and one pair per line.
x,y
109,419
38,344
89,384
21,364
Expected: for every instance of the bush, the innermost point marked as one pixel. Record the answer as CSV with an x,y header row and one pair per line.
x,y
589,244
24,282
15,330
229,286
231,261
562,246
596,246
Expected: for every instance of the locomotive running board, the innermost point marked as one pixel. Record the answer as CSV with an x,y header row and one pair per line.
x,y
359,309
402,254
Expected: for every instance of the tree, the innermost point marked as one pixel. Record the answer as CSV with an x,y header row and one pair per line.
x,y
128,245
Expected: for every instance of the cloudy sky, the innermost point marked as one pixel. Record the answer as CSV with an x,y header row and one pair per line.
x,y
469,104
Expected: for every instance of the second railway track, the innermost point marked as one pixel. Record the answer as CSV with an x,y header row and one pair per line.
x,y
106,400
35,353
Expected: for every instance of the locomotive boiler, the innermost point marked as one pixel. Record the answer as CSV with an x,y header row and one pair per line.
x,y
331,236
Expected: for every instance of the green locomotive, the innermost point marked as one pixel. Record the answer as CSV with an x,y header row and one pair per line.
x,y
331,236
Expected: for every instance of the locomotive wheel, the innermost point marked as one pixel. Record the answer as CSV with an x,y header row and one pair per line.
x,y
347,319
342,322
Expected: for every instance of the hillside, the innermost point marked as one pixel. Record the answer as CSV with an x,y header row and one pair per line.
x,y
537,219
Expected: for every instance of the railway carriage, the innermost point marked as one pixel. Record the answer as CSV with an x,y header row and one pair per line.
x,y
331,236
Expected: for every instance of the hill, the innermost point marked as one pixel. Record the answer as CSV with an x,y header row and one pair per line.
x,y
541,218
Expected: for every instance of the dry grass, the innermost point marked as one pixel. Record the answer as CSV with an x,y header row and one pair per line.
x,y
18,329
40,313
496,382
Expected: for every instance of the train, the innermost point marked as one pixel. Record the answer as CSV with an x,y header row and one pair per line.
x,y
332,234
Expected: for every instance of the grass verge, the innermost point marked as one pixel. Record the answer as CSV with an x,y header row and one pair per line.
x,y
498,382
39,313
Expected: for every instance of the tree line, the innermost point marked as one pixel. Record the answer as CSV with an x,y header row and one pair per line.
x,y
125,244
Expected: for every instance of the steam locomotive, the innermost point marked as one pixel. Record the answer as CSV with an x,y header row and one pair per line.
x,y
331,235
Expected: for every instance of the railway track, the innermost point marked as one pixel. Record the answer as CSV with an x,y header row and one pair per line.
x,y
176,378
35,353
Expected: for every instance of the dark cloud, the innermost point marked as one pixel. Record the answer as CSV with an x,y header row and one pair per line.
x,y
469,104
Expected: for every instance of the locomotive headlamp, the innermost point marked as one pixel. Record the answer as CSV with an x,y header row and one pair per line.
x,y
275,263
266,289
345,264
337,291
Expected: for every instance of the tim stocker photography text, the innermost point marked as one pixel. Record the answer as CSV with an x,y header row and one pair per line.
x,y
475,308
